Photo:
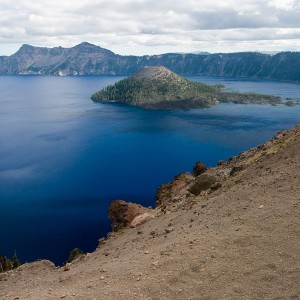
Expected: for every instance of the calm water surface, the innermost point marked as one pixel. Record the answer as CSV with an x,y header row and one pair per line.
x,y
63,158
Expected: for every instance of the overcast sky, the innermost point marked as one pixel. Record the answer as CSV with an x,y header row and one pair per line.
x,y
152,27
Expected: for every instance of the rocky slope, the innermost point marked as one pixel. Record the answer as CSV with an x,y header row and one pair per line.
x,y
230,232
88,59
160,88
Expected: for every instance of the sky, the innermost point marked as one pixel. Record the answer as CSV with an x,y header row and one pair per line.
x,y
152,27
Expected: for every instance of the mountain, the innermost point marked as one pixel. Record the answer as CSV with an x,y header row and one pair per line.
x,y
160,88
79,60
88,59
231,232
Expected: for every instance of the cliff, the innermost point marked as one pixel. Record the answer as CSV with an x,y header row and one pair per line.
x,y
160,88
229,232
88,59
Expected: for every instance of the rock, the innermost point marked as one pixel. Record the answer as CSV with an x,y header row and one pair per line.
x,y
141,219
122,213
199,168
37,265
171,192
169,229
202,183
101,241
67,267
221,163
235,169
215,186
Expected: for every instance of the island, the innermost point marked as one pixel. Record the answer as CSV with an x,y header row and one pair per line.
x,y
156,87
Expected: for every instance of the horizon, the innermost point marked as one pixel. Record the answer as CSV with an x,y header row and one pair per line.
x,y
143,27
13,51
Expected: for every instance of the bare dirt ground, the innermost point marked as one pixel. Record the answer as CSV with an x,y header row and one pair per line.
x,y
241,241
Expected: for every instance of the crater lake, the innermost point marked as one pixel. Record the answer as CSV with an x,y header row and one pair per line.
x,y
63,158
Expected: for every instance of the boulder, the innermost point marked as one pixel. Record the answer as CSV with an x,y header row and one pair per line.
x,y
199,168
141,219
122,213
202,183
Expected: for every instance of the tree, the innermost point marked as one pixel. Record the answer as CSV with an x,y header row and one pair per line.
x,y
15,261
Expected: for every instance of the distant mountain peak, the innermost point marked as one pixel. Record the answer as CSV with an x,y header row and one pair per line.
x,y
26,47
85,45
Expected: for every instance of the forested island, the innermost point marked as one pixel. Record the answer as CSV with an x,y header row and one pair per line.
x,y
159,88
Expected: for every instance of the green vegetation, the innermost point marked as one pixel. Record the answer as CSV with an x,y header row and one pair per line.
x,y
7,264
162,90
15,261
75,253
159,88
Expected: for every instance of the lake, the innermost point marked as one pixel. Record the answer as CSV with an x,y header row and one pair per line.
x,y
63,158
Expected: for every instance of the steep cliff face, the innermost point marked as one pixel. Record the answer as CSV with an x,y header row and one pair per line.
x,y
88,59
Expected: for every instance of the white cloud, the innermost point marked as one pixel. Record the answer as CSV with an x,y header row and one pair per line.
x,y
146,26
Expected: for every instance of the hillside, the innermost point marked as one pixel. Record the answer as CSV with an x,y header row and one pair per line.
x,y
88,59
160,88
230,232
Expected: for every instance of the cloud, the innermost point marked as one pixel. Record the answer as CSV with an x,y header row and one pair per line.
x,y
144,26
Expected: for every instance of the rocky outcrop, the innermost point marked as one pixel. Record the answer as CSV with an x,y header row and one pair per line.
x,y
202,183
123,213
141,219
172,192
199,168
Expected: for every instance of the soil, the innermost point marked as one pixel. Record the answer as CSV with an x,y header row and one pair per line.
x,y
241,241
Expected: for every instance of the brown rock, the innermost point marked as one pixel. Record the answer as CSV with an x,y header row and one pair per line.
x,y
122,213
67,267
141,219
168,193
202,183
235,169
199,168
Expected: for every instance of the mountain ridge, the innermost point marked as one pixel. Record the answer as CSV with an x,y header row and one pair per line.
x,y
89,59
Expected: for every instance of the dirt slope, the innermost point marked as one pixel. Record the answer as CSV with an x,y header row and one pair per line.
x,y
241,241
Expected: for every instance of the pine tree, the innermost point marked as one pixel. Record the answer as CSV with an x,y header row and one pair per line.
x,y
15,261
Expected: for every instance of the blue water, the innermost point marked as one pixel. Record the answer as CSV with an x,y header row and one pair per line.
x,y
63,158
